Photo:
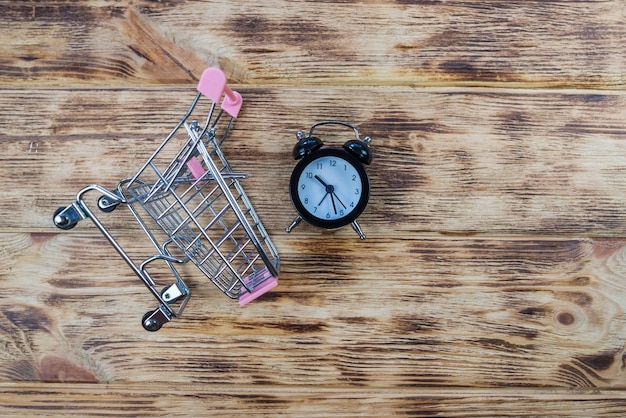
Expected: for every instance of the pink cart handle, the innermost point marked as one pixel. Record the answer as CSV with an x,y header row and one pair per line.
x,y
267,283
213,85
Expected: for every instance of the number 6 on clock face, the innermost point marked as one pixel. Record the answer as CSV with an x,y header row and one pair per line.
x,y
329,188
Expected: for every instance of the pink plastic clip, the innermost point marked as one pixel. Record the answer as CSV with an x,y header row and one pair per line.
x,y
213,85
195,167
268,282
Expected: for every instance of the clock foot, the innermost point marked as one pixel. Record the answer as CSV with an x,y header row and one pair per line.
x,y
295,222
358,230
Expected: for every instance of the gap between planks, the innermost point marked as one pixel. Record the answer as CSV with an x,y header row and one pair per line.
x,y
498,88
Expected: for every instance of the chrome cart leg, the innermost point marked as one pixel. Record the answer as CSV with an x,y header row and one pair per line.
x,y
67,218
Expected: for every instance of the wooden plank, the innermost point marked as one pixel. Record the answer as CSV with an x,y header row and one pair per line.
x,y
378,313
446,161
492,278
18,399
571,44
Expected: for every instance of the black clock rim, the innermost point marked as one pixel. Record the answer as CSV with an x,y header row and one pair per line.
x,y
314,220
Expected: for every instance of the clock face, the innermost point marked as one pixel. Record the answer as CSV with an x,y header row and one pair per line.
x,y
329,188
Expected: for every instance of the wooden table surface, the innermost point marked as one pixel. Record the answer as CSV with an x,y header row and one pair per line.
x,y
493,277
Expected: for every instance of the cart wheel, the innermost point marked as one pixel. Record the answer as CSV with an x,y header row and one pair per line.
x,y
150,324
62,222
105,204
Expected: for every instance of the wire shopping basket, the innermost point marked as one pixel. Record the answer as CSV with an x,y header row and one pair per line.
x,y
192,208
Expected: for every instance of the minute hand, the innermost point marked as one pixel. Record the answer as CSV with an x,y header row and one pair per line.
x,y
339,200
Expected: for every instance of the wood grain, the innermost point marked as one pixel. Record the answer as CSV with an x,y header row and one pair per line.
x,y
493,278
445,162
185,400
518,43
386,313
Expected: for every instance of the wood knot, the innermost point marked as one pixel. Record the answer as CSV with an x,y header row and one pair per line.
x,y
568,317
53,368
565,318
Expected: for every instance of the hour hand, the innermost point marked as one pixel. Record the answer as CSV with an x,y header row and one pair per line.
x,y
318,178
330,190
329,187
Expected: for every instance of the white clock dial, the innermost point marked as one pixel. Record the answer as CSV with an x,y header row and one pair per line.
x,y
329,188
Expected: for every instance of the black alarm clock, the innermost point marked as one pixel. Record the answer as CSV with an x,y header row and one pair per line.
x,y
329,187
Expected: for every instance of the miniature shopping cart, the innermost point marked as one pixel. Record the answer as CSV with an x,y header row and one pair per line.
x,y
192,207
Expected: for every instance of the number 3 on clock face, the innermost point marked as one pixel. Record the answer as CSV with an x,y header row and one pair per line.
x,y
329,188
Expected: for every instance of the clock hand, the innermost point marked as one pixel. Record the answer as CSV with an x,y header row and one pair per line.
x,y
339,200
330,190
318,178
323,198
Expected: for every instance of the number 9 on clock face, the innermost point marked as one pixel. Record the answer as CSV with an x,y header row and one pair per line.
x,y
329,188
